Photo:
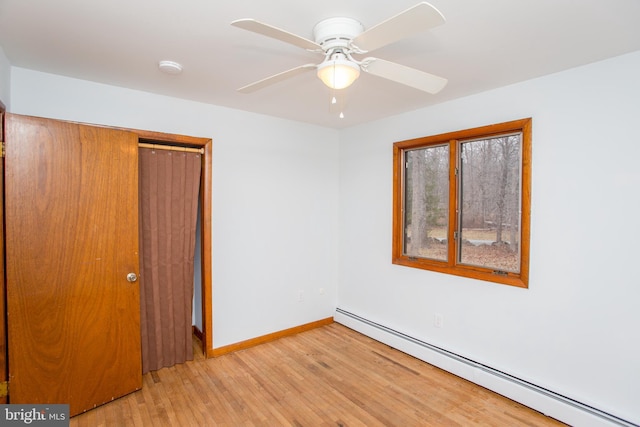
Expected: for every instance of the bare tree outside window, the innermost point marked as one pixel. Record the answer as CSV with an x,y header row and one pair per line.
x,y
427,202
461,202
490,203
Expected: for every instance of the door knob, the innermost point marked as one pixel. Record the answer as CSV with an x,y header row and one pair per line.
x,y
132,277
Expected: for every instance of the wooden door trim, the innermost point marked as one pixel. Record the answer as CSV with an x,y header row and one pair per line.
x,y
205,217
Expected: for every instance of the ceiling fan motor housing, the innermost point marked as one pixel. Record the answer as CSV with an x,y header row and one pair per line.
x,y
336,32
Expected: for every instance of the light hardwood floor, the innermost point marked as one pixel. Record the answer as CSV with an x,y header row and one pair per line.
x,y
330,376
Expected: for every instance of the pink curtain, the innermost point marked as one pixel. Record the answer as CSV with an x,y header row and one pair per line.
x,y
169,184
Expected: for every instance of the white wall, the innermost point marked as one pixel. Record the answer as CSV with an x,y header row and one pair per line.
x,y
575,330
5,79
275,197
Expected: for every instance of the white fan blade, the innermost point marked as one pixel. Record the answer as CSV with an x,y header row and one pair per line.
x,y
276,33
404,75
412,21
276,78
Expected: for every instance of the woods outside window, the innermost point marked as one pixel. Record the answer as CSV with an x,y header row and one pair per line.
x,y
462,201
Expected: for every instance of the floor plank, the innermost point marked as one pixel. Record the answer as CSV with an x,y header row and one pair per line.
x,y
330,376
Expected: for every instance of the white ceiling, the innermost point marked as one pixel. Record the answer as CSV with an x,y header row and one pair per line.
x,y
483,45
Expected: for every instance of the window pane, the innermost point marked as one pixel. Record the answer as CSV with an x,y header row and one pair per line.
x,y
489,214
426,207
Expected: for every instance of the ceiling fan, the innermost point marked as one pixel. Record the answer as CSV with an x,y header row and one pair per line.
x,y
339,39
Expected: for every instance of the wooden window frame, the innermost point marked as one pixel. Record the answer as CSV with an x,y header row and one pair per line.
x,y
451,266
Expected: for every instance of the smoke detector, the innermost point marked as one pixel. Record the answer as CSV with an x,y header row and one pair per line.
x,y
170,67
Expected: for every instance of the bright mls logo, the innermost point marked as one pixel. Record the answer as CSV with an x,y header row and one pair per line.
x,y
34,415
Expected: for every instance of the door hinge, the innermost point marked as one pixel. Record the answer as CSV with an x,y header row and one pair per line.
x,y
4,389
3,150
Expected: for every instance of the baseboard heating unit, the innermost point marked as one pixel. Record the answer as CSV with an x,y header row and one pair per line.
x,y
545,401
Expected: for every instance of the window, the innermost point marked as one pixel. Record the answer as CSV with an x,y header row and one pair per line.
x,y
461,202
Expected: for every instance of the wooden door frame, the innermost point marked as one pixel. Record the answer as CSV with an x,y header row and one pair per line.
x,y
205,219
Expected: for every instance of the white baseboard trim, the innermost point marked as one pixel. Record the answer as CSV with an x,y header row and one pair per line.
x,y
542,400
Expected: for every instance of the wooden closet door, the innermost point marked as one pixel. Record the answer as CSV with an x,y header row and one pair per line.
x,y
71,201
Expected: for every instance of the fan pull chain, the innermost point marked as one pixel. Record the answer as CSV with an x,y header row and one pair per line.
x,y
334,101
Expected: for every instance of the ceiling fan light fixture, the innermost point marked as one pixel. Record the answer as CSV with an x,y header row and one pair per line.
x,y
338,73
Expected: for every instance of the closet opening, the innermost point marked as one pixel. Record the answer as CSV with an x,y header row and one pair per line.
x,y
201,316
